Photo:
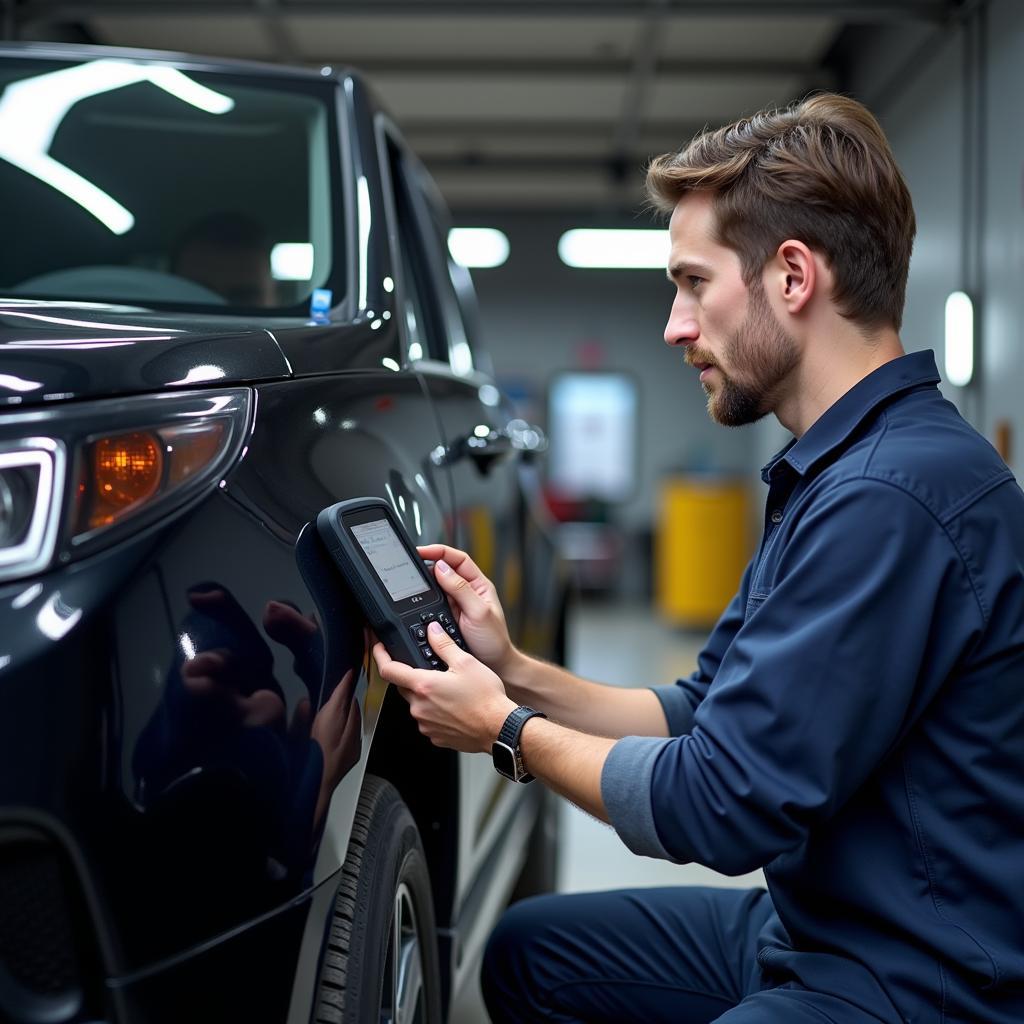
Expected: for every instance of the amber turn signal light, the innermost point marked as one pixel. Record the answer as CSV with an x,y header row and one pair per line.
x,y
126,470
124,473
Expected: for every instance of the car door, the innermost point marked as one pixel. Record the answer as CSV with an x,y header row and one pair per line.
x,y
476,452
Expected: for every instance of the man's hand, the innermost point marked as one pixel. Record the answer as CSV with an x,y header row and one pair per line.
x,y
463,708
475,605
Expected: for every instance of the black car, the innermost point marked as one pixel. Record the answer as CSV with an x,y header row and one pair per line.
x,y
227,303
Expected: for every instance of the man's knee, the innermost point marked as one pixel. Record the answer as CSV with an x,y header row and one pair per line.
x,y
508,940
510,963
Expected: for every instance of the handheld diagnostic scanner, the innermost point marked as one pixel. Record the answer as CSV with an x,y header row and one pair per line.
x,y
399,597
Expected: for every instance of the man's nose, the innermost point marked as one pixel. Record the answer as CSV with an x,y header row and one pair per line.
x,y
681,329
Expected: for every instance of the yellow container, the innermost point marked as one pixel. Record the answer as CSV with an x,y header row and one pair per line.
x,y
701,547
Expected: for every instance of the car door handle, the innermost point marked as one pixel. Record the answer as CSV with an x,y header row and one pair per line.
x,y
484,446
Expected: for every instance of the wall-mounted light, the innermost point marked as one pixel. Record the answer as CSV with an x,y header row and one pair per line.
x,y
615,248
959,339
478,247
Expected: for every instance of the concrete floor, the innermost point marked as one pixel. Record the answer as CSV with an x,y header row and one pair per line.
x,y
624,645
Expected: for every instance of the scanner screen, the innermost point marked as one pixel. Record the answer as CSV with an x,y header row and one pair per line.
x,y
389,558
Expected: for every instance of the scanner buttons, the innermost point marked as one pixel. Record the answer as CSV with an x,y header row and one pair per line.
x,y
419,633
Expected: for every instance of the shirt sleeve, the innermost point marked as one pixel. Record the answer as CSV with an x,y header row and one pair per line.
x,y
870,611
679,700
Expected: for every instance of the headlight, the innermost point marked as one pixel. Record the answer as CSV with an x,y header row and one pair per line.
x,y
77,477
31,482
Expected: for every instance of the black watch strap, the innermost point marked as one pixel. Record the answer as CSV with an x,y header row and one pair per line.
x,y
512,729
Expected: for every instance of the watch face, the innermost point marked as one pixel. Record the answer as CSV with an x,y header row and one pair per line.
x,y
504,759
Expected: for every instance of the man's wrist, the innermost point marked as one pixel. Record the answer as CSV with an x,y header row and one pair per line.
x,y
515,674
496,719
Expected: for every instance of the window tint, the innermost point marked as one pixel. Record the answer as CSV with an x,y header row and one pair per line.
x,y
417,290
458,300
133,181
465,352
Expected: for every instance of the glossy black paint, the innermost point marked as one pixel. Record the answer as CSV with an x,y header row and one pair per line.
x,y
59,353
186,715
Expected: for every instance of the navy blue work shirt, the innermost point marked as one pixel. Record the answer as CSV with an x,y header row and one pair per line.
x,y
856,722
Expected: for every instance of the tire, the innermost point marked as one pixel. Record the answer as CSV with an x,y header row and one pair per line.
x,y
381,948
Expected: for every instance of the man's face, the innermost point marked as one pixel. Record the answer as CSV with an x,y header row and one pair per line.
x,y
728,332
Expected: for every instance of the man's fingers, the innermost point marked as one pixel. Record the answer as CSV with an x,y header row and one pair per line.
x,y
460,590
391,671
458,560
405,677
443,645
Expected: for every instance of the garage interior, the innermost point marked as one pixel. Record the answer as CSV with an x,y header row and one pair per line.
x,y
537,117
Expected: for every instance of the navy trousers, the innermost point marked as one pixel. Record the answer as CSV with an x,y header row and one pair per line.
x,y
684,955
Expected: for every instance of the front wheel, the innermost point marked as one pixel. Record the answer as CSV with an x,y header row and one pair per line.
x,y
381,962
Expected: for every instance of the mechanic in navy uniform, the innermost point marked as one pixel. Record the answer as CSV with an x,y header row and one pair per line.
x,y
855,725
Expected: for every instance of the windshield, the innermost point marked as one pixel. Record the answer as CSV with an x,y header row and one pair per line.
x,y
131,181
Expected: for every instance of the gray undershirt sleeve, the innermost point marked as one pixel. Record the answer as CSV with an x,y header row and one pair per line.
x,y
626,791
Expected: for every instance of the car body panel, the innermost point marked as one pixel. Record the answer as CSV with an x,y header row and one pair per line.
x,y
56,352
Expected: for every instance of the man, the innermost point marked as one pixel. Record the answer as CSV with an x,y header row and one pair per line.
x,y
856,722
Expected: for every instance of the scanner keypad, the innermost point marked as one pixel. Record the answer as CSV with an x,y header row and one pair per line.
x,y
419,633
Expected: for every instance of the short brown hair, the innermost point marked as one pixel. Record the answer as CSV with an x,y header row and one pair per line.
x,y
820,171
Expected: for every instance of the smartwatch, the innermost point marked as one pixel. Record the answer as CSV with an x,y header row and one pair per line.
x,y
505,751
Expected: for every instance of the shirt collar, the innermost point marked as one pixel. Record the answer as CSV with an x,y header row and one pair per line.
x,y
836,424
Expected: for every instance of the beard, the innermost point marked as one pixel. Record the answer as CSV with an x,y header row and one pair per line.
x,y
761,356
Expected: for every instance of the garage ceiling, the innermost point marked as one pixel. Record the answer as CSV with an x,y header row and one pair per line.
x,y
518,103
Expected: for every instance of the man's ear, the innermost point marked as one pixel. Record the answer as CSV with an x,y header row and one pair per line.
x,y
794,273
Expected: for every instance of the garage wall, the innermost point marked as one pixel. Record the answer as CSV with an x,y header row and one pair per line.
x,y
1002,256
540,316
949,100
914,85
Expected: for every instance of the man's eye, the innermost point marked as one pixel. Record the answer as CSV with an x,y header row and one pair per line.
x,y
694,281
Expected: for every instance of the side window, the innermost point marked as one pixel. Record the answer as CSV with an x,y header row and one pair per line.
x,y
437,297
466,301
458,300
417,291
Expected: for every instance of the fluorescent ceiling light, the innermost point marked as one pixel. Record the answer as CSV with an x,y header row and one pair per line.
x,y
188,90
478,247
32,110
292,261
615,248
959,339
